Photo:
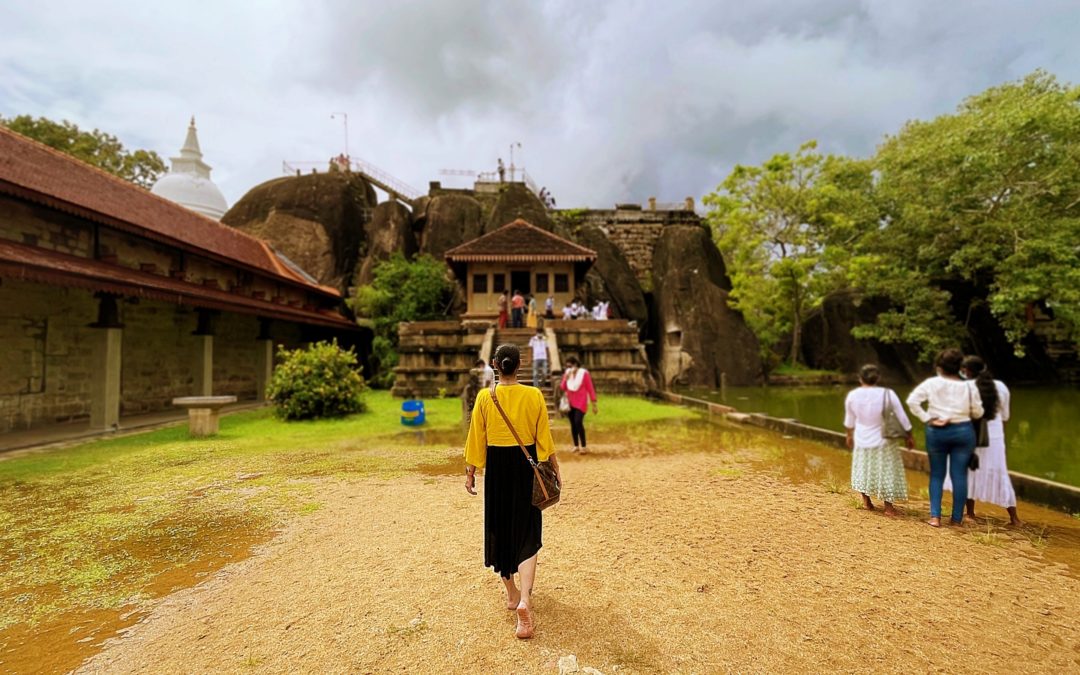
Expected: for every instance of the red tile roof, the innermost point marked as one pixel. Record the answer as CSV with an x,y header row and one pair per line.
x,y
38,173
520,241
31,263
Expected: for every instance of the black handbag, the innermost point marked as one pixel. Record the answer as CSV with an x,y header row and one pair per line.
x,y
982,434
546,489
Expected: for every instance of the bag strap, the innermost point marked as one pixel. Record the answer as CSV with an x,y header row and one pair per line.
x,y
528,457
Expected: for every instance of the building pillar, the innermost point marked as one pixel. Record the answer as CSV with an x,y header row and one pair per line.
x,y
264,360
105,378
203,362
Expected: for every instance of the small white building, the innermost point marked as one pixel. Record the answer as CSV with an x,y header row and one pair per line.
x,y
188,181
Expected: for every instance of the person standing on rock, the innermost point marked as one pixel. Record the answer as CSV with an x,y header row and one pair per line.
x,y
577,386
512,525
951,405
877,467
503,304
517,310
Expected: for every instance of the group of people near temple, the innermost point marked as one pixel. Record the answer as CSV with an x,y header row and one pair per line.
x,y
520,310
964,409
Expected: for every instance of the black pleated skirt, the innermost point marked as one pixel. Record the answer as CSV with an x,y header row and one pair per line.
x,y
512,525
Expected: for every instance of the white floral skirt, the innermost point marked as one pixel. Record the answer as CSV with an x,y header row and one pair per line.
x,y
879,472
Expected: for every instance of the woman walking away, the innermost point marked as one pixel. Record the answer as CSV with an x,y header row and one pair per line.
x,y
578,387
950,436
512,525
991,483
877,467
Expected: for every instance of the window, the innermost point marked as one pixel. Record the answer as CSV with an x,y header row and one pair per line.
x,y
562,283
542,283
498,283
479,283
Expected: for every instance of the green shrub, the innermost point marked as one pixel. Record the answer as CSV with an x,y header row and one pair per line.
x,y
320,381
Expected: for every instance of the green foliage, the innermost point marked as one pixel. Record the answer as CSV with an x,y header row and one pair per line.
x,y
141,167
980,208
401,290
773,223
986,199
320,381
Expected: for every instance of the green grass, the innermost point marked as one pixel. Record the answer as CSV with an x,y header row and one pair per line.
x,y
617,412
93,526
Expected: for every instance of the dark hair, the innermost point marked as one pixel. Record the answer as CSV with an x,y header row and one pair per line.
x,y
869,374
949,361
479,363
508,358
984,382
572,361
539,330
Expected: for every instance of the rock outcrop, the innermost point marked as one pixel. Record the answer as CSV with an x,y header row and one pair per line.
x,y
698,337
517,201
390,229
316,220
611,277
444,221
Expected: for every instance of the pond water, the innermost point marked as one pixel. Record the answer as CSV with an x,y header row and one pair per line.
x,y
1041,436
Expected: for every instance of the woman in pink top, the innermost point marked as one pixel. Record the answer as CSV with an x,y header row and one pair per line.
x,y
577,383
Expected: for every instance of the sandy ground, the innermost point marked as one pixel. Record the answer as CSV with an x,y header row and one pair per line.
x,y
674,564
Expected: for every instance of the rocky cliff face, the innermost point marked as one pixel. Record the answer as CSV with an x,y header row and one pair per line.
x,y
390,229
611,277
316,220
698,337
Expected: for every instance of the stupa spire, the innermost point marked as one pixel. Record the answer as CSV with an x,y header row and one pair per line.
x,y
191,149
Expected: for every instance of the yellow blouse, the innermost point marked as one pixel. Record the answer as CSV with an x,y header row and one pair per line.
x,y
527,410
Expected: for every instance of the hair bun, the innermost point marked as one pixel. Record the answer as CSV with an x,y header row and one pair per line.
x,y
506,364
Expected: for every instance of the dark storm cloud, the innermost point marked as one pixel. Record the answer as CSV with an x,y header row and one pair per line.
x,y
611,101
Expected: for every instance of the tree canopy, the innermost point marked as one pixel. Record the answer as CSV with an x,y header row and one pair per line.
x,y
401,290
986,200
141,167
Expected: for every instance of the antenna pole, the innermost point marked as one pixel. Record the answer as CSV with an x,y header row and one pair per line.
x,y
345,118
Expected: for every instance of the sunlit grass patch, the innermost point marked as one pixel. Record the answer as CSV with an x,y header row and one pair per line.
x,y
727,472
835,486
988,538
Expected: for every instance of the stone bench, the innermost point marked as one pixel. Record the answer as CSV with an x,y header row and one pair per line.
x,y
203,412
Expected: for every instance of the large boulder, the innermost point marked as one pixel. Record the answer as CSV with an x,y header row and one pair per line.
x,y
444,221
389,230
611,278
316,220
518,201
827,342
699,337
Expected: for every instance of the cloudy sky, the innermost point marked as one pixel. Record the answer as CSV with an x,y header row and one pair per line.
x,y
611,101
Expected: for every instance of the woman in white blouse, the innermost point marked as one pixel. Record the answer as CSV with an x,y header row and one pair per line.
x,y
877,467
951,404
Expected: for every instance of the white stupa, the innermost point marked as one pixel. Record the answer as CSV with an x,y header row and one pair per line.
x,y
188,181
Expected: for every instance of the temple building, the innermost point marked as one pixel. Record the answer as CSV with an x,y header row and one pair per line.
x,y
518,256
188,181
113,300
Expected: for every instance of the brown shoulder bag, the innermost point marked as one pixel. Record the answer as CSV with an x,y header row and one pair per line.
x,y
546,488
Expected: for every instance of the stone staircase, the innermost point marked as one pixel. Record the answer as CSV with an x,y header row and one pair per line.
x,y
520,337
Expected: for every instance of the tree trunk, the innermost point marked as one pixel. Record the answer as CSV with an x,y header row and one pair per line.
x,y
796,331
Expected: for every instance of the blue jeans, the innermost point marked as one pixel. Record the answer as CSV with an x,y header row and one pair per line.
x,y
540,371
950,445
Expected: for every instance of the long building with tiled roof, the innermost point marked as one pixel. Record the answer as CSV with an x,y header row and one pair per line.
x,y
114,300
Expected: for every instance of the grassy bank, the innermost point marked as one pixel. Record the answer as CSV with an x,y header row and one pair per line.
x,y
110,523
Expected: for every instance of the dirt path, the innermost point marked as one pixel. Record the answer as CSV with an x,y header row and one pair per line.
x,y
685,563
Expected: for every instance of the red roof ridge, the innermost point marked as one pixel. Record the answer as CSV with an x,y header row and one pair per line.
x,y
81,165
521,222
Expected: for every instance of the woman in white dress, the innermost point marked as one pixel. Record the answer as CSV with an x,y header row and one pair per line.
x,y
877,467
990,482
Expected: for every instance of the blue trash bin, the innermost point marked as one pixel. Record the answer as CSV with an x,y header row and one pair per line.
x,y
412,413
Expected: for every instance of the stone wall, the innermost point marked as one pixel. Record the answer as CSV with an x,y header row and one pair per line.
x,y
37,226
45,358
436,355
634,230
235,356
608,349
157,354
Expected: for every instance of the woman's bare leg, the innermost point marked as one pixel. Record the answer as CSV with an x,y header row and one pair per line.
x,y
1014,519
513,596
970,508
527,571
866,502
890,510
